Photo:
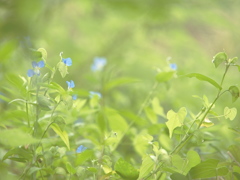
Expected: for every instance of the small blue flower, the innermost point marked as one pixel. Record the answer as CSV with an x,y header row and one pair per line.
x,y
80,149
74,96
67,61
36,68
98,63
173,66
92,94
70,84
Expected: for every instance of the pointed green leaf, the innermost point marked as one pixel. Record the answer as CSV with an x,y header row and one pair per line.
x,y
204,78
207,169
126,170
146,167
175,119
164,76
157,108
235,92
233,60
63,134
219,58
230,113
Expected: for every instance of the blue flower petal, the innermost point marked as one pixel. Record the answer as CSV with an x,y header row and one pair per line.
x,y
41,64
34,64
173,66
67,61
30,73
92,94
80,149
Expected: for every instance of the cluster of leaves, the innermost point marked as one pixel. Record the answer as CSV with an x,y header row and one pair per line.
x,y
55,132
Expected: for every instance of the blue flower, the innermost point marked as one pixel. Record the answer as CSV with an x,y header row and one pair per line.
x,y
74,96
80,149
98,63
67,61
92,94
70,84
36,68
173,66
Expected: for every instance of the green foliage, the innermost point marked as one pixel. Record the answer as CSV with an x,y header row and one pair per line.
x,y
53,131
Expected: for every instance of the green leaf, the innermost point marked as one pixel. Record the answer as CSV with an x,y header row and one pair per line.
x,y
219,58
230,113
116,122
177,176
146,167
204,78
235,92
183,166
43,52
126,170
15,137
164,76
207,169
157,108
20,152
151,115
234,150
141,142
119,82
83,157
175,119
62,69
63,135
70,169
233,60
44,103
33,170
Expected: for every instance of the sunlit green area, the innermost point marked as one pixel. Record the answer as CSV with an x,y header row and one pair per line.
x,y
143,114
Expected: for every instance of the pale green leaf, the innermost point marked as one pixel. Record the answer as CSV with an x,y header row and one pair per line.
x,y
230,113
164,76
204,78
63,134
151,115
83,157
43,52
146,167
70,169
235,92
175,119
62,69
219,58
118,82
157,108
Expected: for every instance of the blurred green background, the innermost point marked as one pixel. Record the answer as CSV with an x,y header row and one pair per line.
x,y
136,37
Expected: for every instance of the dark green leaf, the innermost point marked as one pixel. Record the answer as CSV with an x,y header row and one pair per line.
x,y
164,76
204,78
126,170
219,58
235,92
177,176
